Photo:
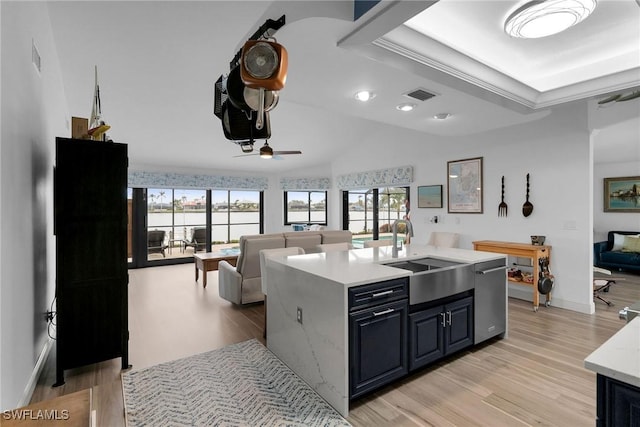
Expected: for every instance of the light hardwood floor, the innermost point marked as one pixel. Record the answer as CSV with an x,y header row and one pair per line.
x,y
535,377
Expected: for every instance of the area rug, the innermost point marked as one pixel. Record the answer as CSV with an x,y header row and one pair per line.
x,y
242,384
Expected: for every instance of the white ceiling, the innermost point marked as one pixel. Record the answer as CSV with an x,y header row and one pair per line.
x,y
158,60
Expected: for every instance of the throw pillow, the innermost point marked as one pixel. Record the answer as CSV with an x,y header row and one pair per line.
x,y
618,241
631,244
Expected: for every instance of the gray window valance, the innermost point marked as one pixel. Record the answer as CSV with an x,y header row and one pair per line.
x,y
178,180
305,183
377,178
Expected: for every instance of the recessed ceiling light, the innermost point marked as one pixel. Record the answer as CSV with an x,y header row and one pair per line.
x,y
442,116
541,18
365,95
406,107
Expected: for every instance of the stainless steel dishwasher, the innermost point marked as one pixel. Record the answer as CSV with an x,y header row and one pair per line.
x,y
490,300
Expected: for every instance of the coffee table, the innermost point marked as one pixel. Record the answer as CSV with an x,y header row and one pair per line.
x,y
209,261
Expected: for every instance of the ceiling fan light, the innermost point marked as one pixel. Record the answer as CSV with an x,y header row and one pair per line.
x,y
266,152
541,18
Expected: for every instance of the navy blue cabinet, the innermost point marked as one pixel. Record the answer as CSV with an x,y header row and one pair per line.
x,y
440,330
618,403
377,335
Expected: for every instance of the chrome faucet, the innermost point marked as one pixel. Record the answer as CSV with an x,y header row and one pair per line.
x,y
394,250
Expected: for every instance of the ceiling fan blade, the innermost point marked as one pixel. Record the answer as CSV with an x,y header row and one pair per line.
x,y
245,155
632,95
288,152
276,154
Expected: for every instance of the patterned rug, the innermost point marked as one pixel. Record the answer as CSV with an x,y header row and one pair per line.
x,y
242,384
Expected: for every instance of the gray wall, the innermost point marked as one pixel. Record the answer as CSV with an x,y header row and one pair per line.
x,y
33,112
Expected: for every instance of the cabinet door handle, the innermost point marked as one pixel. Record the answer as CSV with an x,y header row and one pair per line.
x,y
449,318
444,325
379,294
380,313
491,270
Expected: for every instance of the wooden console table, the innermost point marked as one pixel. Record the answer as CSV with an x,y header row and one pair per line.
x,y
524,250
209,261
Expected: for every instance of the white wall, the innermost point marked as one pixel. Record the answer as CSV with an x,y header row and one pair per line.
x,y
555,151
33,113
603,222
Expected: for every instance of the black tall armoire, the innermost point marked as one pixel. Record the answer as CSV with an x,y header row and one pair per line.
x,y
90,224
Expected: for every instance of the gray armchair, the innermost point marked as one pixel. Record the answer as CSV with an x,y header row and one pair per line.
x,y
198,239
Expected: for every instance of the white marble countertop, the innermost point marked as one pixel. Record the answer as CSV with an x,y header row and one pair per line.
x,y
359,266
619,356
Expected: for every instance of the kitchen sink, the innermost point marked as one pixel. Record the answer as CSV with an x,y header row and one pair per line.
x,y
434,278
411,266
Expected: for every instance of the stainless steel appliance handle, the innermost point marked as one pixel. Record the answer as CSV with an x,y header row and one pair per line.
x,y
491,270
379,294
380,313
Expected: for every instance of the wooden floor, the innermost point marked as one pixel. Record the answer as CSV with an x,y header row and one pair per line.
x,y
535,377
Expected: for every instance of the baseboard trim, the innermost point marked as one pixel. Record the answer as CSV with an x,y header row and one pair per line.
x,y
519,292
37,370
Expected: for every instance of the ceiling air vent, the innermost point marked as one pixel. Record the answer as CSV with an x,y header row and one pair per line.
x,y
419,94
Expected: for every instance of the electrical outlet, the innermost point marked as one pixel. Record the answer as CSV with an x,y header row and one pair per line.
x,y
299,315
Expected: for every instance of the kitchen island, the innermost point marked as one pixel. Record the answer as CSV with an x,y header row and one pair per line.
x,y
347,323
617,365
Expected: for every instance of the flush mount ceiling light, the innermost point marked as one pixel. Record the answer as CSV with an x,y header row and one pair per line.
x,y
406,107
541,18
365,95
442,116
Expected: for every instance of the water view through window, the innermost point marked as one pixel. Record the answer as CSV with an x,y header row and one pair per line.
x,y
182,215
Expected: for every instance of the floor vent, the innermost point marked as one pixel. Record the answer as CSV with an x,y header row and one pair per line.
x,y
419,94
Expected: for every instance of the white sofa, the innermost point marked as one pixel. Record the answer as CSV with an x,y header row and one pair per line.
x,y
242,284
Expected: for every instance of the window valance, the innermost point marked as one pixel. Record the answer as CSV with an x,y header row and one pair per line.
x,y
178,180
305,183
377,178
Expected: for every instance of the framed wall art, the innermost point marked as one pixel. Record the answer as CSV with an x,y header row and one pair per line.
x,y
464,189
430,196
622,194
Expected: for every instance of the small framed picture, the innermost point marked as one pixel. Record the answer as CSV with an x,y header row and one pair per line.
x,y
622,194
430,196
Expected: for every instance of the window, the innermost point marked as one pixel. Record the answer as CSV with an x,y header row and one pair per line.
x,y
235,213
360,211
177,212
370,213
306,207
391,206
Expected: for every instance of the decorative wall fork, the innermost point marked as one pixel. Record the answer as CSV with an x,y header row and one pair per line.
x,y
502,207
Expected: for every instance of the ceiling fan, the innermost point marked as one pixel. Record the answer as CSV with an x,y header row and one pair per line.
x,y
620,97
266,152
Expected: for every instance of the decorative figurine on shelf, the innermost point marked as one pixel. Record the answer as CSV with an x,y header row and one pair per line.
x,y
97,126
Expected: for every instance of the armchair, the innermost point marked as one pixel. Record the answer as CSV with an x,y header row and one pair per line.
x,y
155,242
198,239
444,239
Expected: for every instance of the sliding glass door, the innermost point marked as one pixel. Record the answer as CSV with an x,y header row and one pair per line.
x,y
167,225
370,213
